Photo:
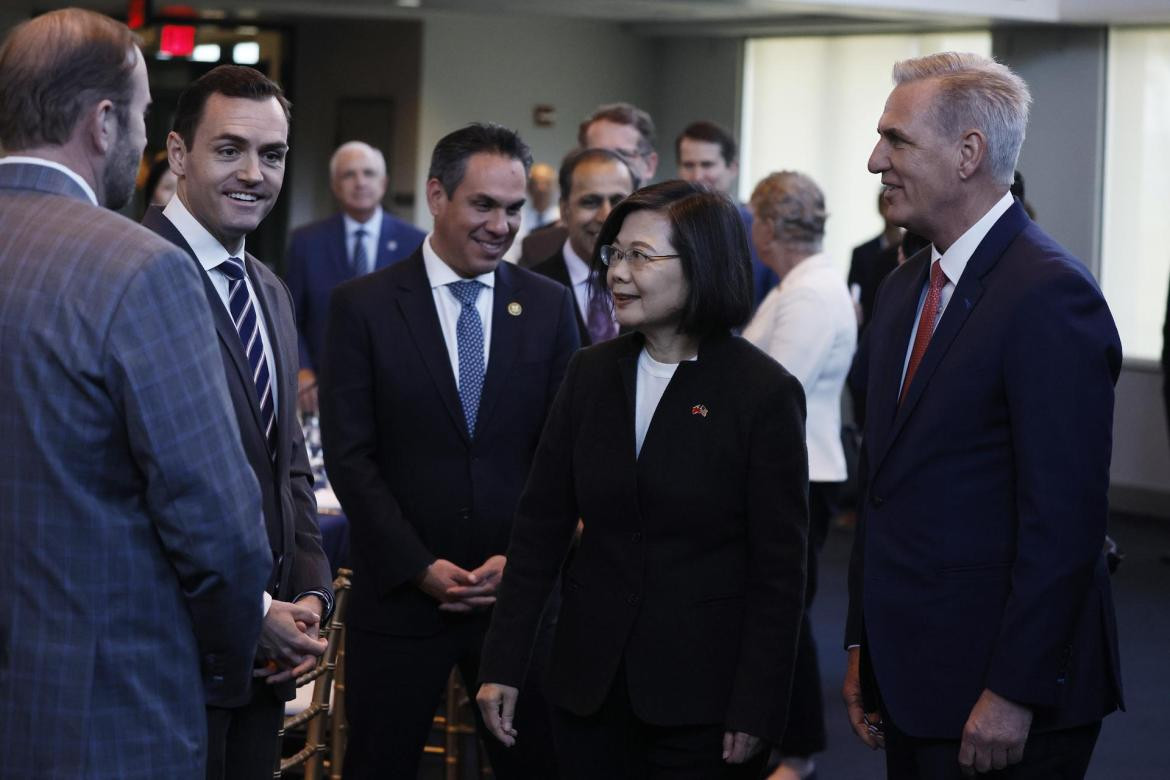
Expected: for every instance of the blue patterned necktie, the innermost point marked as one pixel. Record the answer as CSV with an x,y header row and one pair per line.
x,y
248,326
469,339
359,261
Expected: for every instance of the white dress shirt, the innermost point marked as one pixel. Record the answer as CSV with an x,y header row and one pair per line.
x,y
650,384
808,325
373,228
440,275
210,253
529,217
954,262
13,159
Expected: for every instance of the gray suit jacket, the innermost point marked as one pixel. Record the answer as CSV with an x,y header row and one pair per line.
x,y
131,559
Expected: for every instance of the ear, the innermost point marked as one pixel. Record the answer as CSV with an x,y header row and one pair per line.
x,y
651,166
734,168
100,126
436,196
176,153
972,153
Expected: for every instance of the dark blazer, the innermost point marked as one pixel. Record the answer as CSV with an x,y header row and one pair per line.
x,y
977,563
690,569
870,264
556,269
541,244
131,562
414,486
286,485
318,260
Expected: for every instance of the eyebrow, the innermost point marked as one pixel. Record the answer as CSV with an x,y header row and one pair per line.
x,y
241,141
490,201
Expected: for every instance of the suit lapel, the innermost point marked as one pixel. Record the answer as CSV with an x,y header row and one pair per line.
x,y
966,295
507,333
387,242
422,320
267,293
339,250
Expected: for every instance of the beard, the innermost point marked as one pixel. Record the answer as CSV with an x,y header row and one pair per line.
x,y
121,175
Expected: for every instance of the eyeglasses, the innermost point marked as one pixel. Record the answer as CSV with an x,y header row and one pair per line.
x,y
612,255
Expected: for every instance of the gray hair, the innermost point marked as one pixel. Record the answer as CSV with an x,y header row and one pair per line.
x,y
975,91
794,206
349,146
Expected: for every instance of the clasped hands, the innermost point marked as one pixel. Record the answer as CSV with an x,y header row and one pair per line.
x,y
289,639
459,590
993,737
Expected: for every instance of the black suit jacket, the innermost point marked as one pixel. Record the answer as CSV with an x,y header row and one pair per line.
x,y
286,486
556,269
868,267
690,569
413,484
541,243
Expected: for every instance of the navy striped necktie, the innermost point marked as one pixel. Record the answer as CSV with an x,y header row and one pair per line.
x,y
243,313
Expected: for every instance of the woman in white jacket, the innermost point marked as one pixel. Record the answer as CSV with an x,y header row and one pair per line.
x,y
807,323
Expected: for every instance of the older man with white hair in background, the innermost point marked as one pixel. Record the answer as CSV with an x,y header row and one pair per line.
x,y
981,625
360,238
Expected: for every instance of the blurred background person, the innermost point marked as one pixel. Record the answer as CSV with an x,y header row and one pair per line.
x,y
681,448
807,323
360,238
708,155
540,210
871,262
160,183
593,181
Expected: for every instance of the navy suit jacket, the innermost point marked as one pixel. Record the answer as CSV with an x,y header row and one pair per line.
x,y
318,261
413,484
977,562
556,269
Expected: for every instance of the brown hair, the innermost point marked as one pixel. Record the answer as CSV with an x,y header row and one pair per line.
x,y
53,66
233,81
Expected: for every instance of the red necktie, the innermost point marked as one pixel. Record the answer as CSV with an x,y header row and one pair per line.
x,y
938,280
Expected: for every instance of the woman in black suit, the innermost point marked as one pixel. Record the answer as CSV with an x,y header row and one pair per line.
x,y
681,449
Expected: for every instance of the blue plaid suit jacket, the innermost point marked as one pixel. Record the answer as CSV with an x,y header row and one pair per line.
x,y
132,555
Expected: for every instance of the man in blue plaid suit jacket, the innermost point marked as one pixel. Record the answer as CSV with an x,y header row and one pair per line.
x,y
132,556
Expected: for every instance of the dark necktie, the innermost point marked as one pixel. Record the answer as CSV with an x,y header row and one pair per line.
x,y
469,340
599,321
938,280
358,262
248,327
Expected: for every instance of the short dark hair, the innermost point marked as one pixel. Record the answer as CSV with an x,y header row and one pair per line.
x,y
54,65
707,232
711,133
449,159
233,81
581,156
622,114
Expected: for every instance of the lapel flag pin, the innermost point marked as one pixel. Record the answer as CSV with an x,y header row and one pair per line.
x,y
699,409
514,309
391,245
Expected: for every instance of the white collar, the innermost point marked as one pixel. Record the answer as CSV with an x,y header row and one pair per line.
x,y
578,269
439,274
208,251
72,174
954,260
371,225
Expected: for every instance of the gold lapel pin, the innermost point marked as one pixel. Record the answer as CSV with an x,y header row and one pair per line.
x,y
699,409
514,309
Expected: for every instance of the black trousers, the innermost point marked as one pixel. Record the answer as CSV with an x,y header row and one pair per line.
x,y
1052,755
393,685
614,744
805,734
241,742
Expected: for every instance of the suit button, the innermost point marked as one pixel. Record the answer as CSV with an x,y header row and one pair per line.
x,y
877,501
464,514
636,537
633,599
217,679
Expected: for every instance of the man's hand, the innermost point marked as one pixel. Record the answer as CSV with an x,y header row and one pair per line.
x,y
440,578
497,703
285,640
480,592
307,391
738,747
994,735
867,726
318,606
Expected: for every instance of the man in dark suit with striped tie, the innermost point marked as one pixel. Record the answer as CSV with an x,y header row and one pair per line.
x,y
228,149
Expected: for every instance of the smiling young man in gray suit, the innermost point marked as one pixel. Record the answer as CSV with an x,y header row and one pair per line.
x,y
130,557
228,150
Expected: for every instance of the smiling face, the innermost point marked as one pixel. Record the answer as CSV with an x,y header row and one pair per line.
x,y
649,299
230,177
918,164
476,224
597,186
701,162
359,182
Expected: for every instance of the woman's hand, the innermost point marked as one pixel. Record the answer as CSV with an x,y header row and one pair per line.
x,y
497,703
738,747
